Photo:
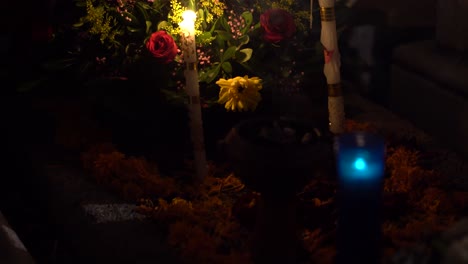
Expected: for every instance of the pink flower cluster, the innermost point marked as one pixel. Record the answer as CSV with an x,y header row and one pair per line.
x,y
122,8
236,23
203,58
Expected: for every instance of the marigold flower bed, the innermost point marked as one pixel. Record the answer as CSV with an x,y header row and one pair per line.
x,y
211,222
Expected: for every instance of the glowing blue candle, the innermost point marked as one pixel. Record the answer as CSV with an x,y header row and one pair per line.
x,y
360,167
360,160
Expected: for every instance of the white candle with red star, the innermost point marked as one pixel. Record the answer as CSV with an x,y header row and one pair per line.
x,y
332,65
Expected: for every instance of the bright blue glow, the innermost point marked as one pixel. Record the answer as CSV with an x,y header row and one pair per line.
x,y
360,159
360,164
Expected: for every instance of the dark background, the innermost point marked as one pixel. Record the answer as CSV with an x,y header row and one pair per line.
x,y
25,34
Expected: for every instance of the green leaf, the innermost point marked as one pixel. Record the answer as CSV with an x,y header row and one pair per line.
x,y
220,43
205,37
148,27
209,75
201,14
229,53
134,30
163,25
80,3
244,40
78,24
191,5
30,85
224,24
172,97
215,24
144,5
142,10
133,19
224,35
257,26
227,67
60,64
84,67
247,67
127,48
248,18
244,55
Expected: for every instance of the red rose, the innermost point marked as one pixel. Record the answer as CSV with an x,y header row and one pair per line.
x,y
162,46
277,24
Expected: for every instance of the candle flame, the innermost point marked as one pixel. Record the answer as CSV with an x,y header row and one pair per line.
x,y
360,164
189,16
187,26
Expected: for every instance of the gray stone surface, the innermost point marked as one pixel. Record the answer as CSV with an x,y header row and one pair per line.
x,y
447,69
451,247
403,13
457,240
431,90
452,24
93,225
12,249
431,107
108,213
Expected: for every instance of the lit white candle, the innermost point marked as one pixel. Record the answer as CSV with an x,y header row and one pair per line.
x,y
187,30
332,65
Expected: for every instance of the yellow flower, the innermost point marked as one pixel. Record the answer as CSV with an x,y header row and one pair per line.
x,y
240,93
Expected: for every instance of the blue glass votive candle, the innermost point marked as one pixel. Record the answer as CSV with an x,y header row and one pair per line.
x,y
360,161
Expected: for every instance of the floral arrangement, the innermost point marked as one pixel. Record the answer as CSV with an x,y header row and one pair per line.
x,y
243,47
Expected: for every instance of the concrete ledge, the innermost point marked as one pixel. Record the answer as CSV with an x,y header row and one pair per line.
x,y
93,225
401,13
12,250
452,24
430,106
442,67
